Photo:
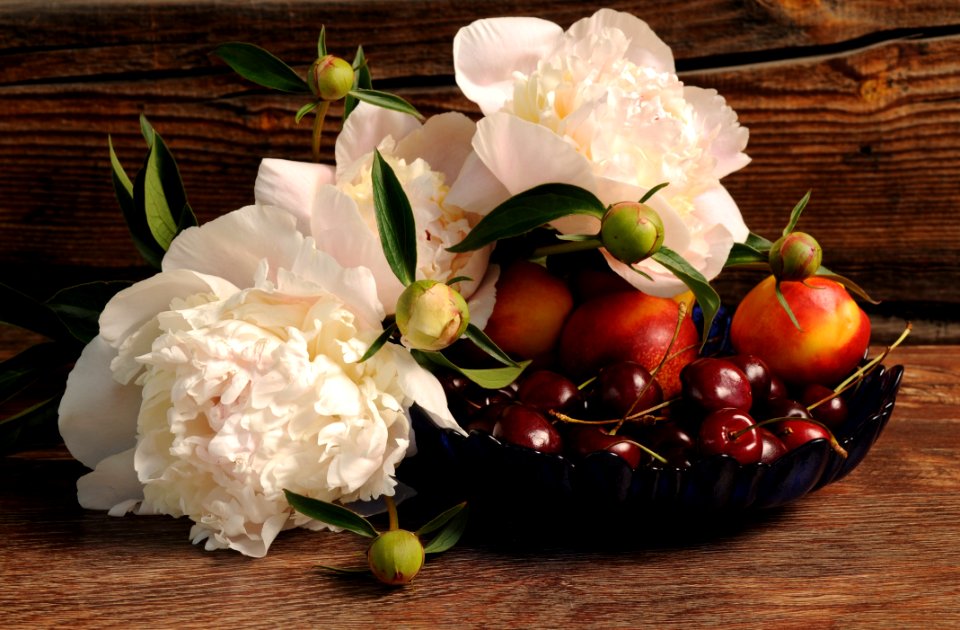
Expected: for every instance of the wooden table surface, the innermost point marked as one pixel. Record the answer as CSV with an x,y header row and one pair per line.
x,y
878,548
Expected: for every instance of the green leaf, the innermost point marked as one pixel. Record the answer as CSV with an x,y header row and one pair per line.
x,y
331,514
452,281
650,193
136,220
529,210
786,307
361,81
485,343
38,421
439,521
386,101
488,378
706,295
256,64
25,368
758,243
322,42
164,197
19,309
395,222
846,282
455,524
743,255
795,214
306,109
79,307
378,342
122,181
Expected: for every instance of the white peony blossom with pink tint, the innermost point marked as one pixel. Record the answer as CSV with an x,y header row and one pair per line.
x,y
335,204
232,375
600,106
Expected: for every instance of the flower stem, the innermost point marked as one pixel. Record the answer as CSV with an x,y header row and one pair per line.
x,y
392,513
318,128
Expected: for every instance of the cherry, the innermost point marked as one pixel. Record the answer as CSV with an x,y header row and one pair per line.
x,y
672,442
716,384
784,408
778,389
796,432
628,450
731,432
757,372
524,426
485,418
546,390
833,412
773,447
585,439
627,387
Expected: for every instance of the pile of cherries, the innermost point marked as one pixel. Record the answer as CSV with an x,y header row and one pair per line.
x,y
733,405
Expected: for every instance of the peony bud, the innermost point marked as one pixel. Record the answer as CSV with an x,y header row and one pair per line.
x,y
395,557
631,231
431,315
795,256
330,78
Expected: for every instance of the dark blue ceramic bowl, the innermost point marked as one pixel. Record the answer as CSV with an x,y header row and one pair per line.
x,y
522,487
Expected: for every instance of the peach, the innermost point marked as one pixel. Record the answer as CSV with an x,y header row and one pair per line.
x,y
833,336
532,305
629,326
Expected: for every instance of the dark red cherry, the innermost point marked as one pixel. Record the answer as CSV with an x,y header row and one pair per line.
x,y
524,426
833,412
628,450
627,387
773,447
484,418
716,384
778,389
585,439
784,408
546,390
731,432
757,372
796,432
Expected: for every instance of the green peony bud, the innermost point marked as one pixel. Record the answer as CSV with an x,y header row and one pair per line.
x,y
330,78
431,315
395,557
631,231
795,256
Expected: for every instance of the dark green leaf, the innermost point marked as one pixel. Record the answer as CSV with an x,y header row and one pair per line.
x,y
331,514
488,378
36,423
361,81
653,191
485,343
79,307
795,214
758,243
28,366
439,521
306,109
529,210
378,342
164,198
786,307
455,524
846,282
452,281
19,309
743,255
256,64
395,223
121,180
322,43
136,220
706,295
386,101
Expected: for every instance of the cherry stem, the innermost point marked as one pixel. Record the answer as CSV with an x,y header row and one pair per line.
x,y
858,375
392,513
318,128
657,456
834,444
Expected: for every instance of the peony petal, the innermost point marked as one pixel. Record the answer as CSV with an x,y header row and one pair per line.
x,y
112,483
717,207
366,127
482,300
98,416
516,152
645,49
443,142
718,119
232,246
487,53
476,189
422,387
291,186
258,546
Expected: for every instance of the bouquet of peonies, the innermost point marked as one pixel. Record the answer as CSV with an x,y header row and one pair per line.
x,y
273,360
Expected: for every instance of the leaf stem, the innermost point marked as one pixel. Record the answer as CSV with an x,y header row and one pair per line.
x,y
318,128
567,247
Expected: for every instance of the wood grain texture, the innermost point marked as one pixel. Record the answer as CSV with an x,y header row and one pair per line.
x,y
855,100
876,549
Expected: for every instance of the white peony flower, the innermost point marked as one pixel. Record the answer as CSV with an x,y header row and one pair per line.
x,y
335,205
600,106
232,375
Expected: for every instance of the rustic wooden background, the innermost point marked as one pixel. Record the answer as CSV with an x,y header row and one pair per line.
x,y
858,100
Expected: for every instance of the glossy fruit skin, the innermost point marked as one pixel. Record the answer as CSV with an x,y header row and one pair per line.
x,y
628,326
833,412
627,387
722,432
545,390
784,408
532,306
757,372
524,426
714,384
797,432
585,439
773,447
835,330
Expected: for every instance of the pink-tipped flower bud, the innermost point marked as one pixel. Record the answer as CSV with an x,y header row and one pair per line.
x,y
431,315
330,78
395,557
795,256
631,231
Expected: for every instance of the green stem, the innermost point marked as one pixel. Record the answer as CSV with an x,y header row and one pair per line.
x,y
392,513
567,247
318,119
